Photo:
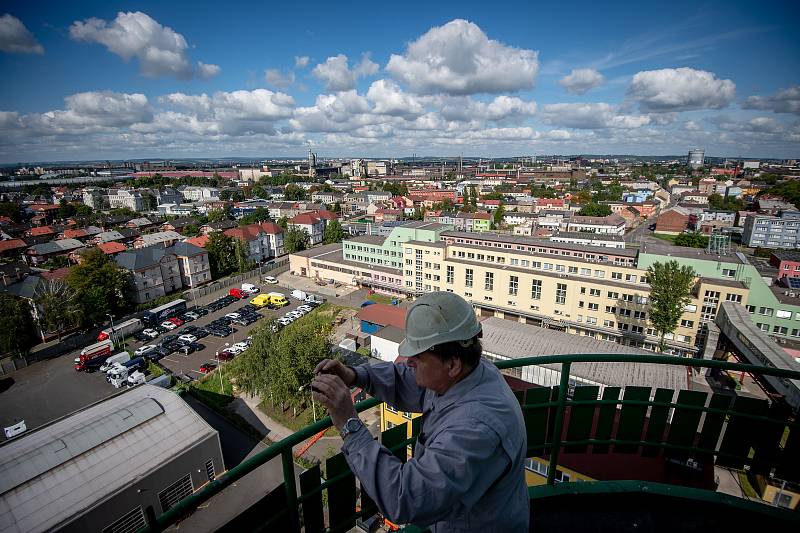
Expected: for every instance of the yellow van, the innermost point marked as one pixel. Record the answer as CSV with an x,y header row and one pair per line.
x,y
261,300
277,299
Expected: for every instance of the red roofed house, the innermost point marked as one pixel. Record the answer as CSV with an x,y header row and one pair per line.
x,y
489,204
325,215
112,248
12,247
375,316
200,241
388,215
60,273
79,234
40,231
265,240
312,224
549,203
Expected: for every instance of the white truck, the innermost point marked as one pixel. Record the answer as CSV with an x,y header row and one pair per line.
x,y
118,374
116,358
297,294
122,330
249,288
137,378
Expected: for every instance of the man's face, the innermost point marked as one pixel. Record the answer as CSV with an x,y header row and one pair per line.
x,y
431,372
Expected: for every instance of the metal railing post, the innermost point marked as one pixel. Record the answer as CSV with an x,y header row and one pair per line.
x,y
559,423
290,487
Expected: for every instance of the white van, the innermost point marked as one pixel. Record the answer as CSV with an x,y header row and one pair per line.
x,y
118,358
16,429
137,378
249,288
297,294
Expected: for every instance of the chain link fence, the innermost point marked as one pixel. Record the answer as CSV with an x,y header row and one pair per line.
x,y
201,295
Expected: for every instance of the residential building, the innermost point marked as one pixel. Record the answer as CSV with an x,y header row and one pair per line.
x,y
787,263
611,224
12,247
168,195
95,198
773,206
264,240
590,239
311,224
159,271
192,193
162,239
39,253
768,231
672,221
327,197
126,198
178,224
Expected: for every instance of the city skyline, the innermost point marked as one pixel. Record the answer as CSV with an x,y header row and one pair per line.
x,y
145,80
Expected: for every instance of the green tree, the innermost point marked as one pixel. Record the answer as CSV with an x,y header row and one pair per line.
x,y
150,202
419,213
334,232
82,210
241,252
65,210
295,240
283,222
10,210
191,230
691,240
595,210
218,215
259,191
101,286
17,332
221,254
293,192
497,217
473,198
259,215
337,208
670,289
58,305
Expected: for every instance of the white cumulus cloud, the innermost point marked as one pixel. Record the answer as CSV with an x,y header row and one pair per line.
x,y
301,61
784,101
680,89
92,111
337,75
389,99
581,80
458,58
278,79
207,70
161,51
590,116
15,37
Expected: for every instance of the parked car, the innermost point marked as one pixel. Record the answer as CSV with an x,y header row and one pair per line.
x,y
238,293
186,349
241,346
200,333
192,314
200,312
150,333
144,350
222,331
173,346
270,279
186,318
249,288
159,353
284,321
248,307
187,338
224,356
232,316
167,339
306,308
169,326
177,321
207,368
188,329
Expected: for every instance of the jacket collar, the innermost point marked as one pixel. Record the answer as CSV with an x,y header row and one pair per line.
x,y
460,389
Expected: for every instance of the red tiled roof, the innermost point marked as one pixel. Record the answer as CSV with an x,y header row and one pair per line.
x,y
383,314
244,233
44,207
12,244
327,215
271,228
42,230
200,241
112,247
74,233
60,273
304,219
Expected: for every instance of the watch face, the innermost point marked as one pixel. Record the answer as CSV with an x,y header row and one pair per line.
x,y
352,425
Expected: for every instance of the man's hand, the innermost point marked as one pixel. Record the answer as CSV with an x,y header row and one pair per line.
x,y
330,391
336,368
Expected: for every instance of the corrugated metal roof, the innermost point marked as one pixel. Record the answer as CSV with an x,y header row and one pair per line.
x,y
129,442
514,340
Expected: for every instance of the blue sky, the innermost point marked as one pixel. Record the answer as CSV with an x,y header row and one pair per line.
x,y
258,79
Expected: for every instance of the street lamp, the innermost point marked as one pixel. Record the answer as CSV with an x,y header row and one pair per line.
x,y
110,316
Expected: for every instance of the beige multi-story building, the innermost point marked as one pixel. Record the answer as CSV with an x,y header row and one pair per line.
x,y
585,297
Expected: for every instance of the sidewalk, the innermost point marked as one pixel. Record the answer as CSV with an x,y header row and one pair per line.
x,y
246,406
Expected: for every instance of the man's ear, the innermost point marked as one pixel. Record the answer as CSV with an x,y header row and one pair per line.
x,y
455,367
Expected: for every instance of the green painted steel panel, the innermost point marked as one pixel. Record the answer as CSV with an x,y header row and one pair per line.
x,y
657,422
262,515
766,448
685,422
581,418
741,433
605,419
536,419
631,419
313,517
789,466
341,493
393,437
712,424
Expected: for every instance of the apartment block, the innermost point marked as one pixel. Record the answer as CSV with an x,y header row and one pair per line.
x,y
768,231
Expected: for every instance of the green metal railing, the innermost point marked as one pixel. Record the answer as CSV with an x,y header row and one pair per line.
x,y
761,435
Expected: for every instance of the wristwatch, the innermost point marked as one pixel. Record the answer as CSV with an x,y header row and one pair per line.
x,y
351,426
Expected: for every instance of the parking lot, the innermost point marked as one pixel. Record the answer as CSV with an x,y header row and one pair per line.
x,y
189,365
48,390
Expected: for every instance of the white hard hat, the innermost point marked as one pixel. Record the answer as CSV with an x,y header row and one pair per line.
x,y
436,318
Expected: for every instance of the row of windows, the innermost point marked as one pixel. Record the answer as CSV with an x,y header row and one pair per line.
x,y
549,251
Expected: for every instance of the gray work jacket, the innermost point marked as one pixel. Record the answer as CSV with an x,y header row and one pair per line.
x,y
468,470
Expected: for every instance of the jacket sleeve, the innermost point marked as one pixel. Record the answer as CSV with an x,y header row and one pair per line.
x,y
391,383
459,466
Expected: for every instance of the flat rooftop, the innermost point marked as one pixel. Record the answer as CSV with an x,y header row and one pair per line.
x,y
512,340
59,471
545,243
664,248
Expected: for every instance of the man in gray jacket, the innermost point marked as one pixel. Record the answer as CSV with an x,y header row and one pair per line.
x,y
468,472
